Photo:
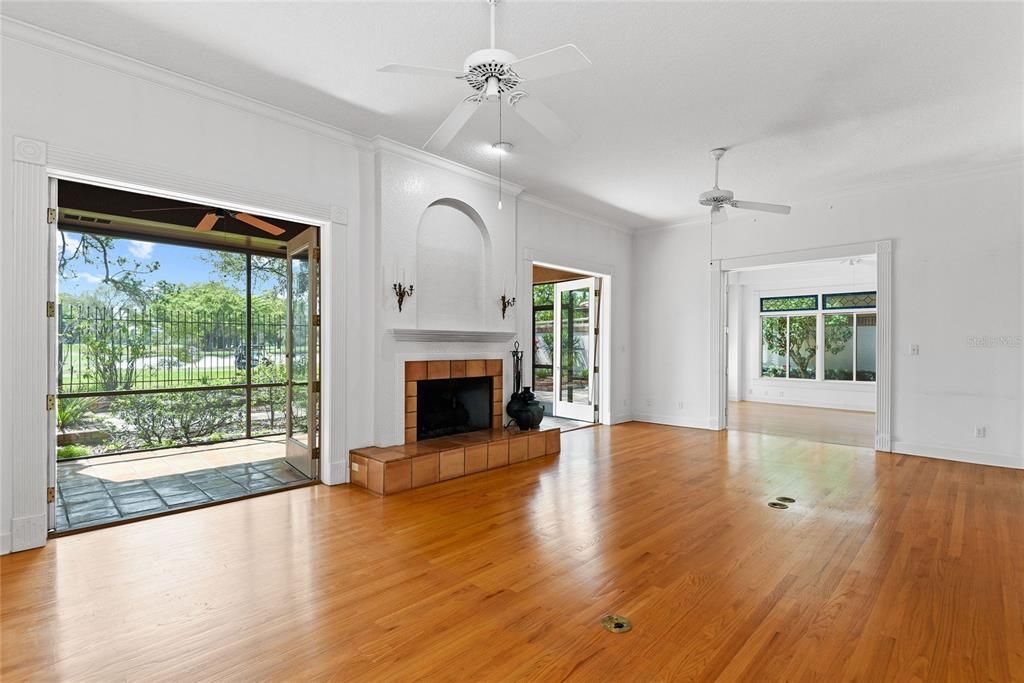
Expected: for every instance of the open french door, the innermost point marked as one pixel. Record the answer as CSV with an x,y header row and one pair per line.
x,y
575,349
303,377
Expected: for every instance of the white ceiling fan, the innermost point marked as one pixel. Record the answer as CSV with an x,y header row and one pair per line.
x,y
492,73
718,199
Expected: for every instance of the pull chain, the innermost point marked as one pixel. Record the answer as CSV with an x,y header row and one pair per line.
x,y
501,151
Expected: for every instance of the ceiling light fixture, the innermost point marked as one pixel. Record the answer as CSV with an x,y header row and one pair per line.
x,y
502,148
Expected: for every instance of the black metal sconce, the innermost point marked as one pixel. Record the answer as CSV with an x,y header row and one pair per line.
x,y
506,303
402,292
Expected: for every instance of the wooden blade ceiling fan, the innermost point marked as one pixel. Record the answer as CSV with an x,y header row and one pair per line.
x,y
213,215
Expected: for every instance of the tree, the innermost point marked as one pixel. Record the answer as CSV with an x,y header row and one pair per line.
x,y
802,346
212,314
123,274
269,271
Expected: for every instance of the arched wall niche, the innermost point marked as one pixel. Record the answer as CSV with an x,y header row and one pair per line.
x,y
453,258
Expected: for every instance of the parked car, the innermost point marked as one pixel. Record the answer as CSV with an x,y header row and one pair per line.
x,y
259,354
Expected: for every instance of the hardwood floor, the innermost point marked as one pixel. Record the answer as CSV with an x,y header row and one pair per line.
x,y
849,427
886,568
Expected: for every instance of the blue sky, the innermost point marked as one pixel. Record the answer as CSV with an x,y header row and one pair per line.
x,y
181,265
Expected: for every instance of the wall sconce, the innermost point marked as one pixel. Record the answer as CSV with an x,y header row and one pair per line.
x,y
402,293
506,303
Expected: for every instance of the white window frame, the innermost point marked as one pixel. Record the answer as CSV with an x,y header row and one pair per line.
x,y
819,359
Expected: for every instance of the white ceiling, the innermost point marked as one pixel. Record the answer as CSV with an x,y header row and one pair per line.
x,y
811,97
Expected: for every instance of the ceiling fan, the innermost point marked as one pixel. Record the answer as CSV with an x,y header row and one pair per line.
x,y
718,198
213,215
491,73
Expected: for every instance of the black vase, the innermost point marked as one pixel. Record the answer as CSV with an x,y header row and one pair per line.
x,y
525,409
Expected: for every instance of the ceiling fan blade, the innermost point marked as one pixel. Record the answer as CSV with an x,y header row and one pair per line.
x,y
420,70
718,215
559,60
452,125
207,223
761,206
258,223
543,119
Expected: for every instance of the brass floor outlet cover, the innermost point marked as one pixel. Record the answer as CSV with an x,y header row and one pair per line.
x,y
616,623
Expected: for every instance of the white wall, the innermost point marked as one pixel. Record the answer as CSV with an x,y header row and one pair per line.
x,y
956,277
127,120
553,236
745,291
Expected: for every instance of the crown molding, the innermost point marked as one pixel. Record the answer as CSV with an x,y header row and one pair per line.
x,y
73,48
383,144
1013,163
548,204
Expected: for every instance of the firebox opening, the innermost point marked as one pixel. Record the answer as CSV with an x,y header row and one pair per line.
x,y
453,406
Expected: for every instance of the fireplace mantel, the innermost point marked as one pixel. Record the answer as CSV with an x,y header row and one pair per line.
x,y
411,334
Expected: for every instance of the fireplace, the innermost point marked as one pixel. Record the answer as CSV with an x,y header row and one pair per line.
x,y
453,406
446,397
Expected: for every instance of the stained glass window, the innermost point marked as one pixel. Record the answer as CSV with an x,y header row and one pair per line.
x,y
850,300
789,303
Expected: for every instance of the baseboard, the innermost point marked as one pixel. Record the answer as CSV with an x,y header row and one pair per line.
x,y
624,417
691,421
973,457
337,473
5,543
809,404
28,532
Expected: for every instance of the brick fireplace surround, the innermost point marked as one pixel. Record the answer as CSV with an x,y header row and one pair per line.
x,y
421,463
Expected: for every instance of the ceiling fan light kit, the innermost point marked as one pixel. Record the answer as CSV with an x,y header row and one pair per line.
x,y
492,73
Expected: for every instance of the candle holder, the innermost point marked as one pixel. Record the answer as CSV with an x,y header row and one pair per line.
x,y
506,303
402,292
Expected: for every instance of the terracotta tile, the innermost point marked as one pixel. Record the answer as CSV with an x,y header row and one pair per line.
x,y
358,469
410,388
496,395
476,368
410,404
397,476
498,382
538,445
452,463
410,435
518,450
415,370
497,454
494,366
496,422
410,421
424,470
439,369
476,458
458,368
553,441
375,476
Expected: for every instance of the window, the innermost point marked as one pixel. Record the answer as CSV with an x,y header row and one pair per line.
x,y
543,337
836,342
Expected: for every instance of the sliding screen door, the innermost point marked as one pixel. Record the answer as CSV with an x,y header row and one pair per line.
x,y
575,305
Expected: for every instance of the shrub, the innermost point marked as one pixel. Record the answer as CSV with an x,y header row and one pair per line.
x,y
181,417
71,412
72,451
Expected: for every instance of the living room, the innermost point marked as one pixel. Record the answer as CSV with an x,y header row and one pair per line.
x,y
493,547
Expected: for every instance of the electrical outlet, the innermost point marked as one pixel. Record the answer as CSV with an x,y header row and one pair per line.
x,y
915,350
679,405
979,432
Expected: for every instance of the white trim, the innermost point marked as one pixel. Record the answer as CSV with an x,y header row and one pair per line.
x,y
13,29
831,405
5,542
835,252
883,345
383,144
718,386
689,421
30,151
573,213
943,453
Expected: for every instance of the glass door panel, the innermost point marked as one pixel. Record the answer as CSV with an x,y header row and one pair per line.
x,y
574,349
303,387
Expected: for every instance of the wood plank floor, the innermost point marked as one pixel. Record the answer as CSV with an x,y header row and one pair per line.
x,y
887,568
828,425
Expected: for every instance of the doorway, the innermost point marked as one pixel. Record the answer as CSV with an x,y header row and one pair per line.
x,y
801,359
566,348
185,356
